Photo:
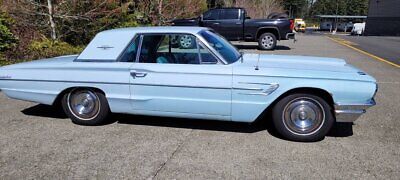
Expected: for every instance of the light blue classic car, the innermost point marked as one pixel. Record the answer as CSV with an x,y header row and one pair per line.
x,y
192,72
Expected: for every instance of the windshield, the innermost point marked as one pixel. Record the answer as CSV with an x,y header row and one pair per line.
x,y
226,49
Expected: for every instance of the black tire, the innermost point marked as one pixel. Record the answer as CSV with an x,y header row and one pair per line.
x,y
267,41
98,108
310,109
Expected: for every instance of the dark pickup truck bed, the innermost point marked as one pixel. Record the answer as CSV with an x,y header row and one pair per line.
x,y
233,24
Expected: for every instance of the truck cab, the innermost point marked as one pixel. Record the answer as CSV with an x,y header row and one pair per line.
x,y
229,22
235,25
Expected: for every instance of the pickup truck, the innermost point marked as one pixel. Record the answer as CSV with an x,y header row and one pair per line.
x,y
235,25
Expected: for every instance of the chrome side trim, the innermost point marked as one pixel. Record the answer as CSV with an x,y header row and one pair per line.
x,y
257,83
264,92
117,83
60,81
351,112
247,89
170,72
296,77
181,86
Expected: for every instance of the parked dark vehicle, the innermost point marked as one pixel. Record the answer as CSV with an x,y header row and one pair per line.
x,y
234,24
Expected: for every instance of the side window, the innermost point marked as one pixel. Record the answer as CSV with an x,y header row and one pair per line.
x,y
130,52
230,14
150,43
211,15
185,51
206,56
174,49
169,49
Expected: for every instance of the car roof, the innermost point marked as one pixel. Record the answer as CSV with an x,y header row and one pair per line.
x,y
158,29
108,45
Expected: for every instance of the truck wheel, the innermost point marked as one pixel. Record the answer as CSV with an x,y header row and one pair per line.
x,y
86,107
186,42
302,117
267,41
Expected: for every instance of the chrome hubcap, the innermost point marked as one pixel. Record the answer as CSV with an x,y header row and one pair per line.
x,y
84,104
303,116
186,41
267,41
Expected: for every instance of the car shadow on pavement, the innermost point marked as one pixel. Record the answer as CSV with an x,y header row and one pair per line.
x,y
255,47
42,110
197,124
341,130
262,124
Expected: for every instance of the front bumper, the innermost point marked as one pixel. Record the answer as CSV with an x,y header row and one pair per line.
x,y
351,112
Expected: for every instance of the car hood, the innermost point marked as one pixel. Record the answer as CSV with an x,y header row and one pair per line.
x,y
43,63
299,66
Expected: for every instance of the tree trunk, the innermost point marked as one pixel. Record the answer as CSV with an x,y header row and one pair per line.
x,y
51,19
160,15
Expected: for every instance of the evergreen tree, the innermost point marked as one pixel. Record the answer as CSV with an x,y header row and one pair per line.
x,y
340,7
7,39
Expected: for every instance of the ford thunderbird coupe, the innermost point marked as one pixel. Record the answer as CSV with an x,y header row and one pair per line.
x,y
145,71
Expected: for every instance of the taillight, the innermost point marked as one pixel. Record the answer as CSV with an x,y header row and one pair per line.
x,y
291,24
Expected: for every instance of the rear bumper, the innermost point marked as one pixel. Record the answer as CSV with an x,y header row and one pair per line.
x,y
290,36
351,112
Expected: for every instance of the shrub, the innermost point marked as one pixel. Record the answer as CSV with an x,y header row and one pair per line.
x,y
7,38
46,48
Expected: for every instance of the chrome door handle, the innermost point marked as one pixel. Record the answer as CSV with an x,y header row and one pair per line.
x,y
138,74
216,23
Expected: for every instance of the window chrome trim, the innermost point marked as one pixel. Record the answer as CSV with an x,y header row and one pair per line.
x,y
215,52
200,43
139,49
127,46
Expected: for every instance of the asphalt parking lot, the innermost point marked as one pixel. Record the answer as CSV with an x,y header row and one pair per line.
x,y
385,47
38,142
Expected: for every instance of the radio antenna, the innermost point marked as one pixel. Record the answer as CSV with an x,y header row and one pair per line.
x,y
258,62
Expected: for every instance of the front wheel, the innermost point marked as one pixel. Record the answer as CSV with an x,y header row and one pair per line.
x,y
267,41
303,117
86,107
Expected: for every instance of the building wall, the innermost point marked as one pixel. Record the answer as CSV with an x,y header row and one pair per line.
x,y
383,18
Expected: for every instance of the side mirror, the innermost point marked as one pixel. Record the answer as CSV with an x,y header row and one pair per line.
x,y
248,17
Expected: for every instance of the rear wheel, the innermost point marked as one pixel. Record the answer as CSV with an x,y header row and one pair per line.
x,y
303,117
186,42
267,41
86,107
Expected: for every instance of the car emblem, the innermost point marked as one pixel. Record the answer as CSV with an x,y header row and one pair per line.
x,y
105,47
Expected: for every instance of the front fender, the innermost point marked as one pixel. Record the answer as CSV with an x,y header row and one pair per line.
x,y
246,107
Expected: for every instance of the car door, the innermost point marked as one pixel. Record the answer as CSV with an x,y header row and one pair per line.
x,y
176,81
231,24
